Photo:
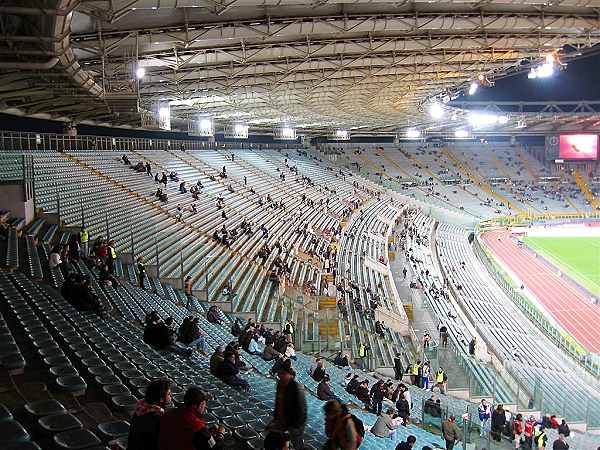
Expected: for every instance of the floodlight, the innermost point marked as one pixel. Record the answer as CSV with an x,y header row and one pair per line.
x,y
413,133
482,119
473,87
205,124
140,72
436,111
461,134
164,112
503,120
545,70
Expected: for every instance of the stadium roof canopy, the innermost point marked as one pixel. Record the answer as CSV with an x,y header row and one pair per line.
x,y
362,65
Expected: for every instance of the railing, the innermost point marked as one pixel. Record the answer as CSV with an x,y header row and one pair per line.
x,y
13,140
589,361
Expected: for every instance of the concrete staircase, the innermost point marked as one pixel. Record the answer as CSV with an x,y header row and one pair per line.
x,y
585,189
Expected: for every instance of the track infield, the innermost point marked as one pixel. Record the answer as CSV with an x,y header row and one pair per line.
x,y
578,257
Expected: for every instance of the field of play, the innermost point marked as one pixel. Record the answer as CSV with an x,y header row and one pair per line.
x,y
578,257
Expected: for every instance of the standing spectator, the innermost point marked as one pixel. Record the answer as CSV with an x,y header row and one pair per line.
x,y
444,335
426,372
473,346
112,256
560,443
148,169
451,432
187,288
403,408
141,270
484,416
408,444
84,238
54,260
529,431
541,439
398,369
377,393
498,422
184,428
517,430
362,355
441,379
339,428
145,421
563,428
290,412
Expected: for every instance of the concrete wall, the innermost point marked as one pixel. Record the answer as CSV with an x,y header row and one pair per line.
x,y
12,198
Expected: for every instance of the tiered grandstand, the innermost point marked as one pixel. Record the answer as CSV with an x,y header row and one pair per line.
x,y
387,202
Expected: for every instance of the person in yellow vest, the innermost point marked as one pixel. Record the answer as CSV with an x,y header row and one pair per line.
x,y
84,238
441,379
416,373
141,270
362,355
112,256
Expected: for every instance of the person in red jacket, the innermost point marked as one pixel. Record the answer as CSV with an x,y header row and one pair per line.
x,y
517,428
184,428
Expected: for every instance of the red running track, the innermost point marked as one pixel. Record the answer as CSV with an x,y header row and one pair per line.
x,y
570,307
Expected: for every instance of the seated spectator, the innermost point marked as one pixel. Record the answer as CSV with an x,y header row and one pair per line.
x,y
433,407
353,385
105,278
277,440
324,391
145,422
216,359
229,373
341,360
254,347
269,353
173,176
182,188
408,444
161,336
126,160
184,428
290,351
213,315
385,425
318,372
54,259
236,327
362,393
190,334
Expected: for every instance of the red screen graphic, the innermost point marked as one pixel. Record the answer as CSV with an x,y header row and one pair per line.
x,y
578,146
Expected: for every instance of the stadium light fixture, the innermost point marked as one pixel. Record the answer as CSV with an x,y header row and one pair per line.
x,y
461,134
140,72
502,120
473,87
482,119
436,111
545,70
413,133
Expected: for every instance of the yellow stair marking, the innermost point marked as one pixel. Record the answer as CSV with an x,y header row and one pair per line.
x,y
481,183
585,189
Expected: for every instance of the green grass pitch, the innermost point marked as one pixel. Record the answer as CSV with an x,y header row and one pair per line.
x,y
578,257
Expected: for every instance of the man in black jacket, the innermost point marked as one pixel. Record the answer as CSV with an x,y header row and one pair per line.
x,y
145,421
324,391
290,406
398,369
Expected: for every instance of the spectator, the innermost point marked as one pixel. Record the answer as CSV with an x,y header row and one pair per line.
x,y
141,269
377,393
290,412
290,351
498,423
362,393
433,407
228,372
213,315
269,353
191,335
236,327
403,408
408,444
276,440
112,256
398,369
473,346
340,428
253,346
324,391
54,260
484,416
105,278
341,360
148,169
529,431
451,432
353,385
517,430
563,428
161,336
541,438
385,425
216,359
145,421
318,373
560,443
184,428
84,239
